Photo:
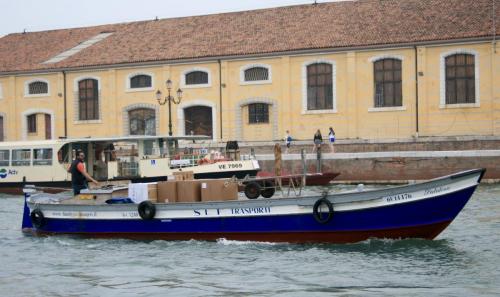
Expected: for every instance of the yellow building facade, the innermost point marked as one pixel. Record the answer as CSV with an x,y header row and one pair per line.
x,y
226,99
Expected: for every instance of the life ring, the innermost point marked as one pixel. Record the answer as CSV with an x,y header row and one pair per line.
x,y
147,210
317,214
37,218
268,190
252,190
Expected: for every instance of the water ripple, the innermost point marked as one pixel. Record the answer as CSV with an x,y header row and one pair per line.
x,y
463,261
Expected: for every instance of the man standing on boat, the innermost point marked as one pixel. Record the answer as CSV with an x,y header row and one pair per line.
x,y
79,176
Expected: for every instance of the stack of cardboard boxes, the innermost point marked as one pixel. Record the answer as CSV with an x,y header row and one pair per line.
x,y
186,189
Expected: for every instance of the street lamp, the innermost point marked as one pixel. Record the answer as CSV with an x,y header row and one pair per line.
x,y
162,100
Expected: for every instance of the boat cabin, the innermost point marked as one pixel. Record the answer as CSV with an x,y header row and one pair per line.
x,y
105,158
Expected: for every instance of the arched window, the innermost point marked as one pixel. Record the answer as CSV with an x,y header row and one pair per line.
x,y
319,86
88,99
140,81
256,74
258,113
387,81
197,78
38,88
142,121
460,79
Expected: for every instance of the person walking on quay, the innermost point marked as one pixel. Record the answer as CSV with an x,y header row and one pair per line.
x,y
318,140
288,141
79,176
331,138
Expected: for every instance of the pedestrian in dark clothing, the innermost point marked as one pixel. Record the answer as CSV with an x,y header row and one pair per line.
x,y
318,140
79,176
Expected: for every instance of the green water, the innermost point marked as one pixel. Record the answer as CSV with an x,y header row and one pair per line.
x,y
463,261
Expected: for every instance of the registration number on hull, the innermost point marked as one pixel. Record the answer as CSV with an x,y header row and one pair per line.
x,y
231,166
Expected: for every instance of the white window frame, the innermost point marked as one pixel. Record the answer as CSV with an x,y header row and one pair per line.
x,y
129,89
372,60
255,82
442,79
76,105
28,82
187,71
304,87
126,117
181,128
24,124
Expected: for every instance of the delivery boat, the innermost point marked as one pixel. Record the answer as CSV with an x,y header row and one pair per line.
x,y
135,158
204,210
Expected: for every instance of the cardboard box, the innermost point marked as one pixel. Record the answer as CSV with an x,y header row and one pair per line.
x,y
184,175
189,191
153,192
167,192
218,190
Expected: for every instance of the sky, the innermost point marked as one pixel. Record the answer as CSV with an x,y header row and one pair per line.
x,y
41,15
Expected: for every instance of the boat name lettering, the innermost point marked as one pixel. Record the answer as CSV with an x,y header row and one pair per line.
x,y
230,166
71,214
399,197
250,210
205,212
436,190
130,214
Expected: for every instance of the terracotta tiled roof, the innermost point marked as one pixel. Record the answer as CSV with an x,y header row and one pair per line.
x,y
282,29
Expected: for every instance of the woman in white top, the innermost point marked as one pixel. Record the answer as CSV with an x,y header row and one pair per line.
x,y
331,137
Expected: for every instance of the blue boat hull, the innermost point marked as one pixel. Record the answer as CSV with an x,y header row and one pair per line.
x,y
417,219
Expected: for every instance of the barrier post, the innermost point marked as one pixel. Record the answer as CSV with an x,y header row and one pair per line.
x,y
304,168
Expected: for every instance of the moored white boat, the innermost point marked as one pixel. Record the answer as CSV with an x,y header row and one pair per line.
x,y
135,158
421,210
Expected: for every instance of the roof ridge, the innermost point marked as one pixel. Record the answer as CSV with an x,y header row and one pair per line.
x,y
294,6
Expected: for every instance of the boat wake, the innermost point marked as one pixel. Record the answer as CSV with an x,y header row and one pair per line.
x,y
224,241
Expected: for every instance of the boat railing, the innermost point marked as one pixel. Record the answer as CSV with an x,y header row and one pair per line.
x,y
287,185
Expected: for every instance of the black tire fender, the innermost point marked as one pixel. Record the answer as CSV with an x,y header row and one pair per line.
x,y
318,215
147,210
252,190
37,218
268,190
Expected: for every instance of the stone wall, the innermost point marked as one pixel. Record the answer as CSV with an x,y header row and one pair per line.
x,y
392,169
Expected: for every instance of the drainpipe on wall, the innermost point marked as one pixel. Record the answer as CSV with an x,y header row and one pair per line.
x,y
65,107
220,98
416,91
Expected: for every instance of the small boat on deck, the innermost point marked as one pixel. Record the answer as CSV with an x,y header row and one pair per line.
x,y
135,158
421,210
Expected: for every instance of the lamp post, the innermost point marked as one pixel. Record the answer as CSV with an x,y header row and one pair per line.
x,y
163,100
